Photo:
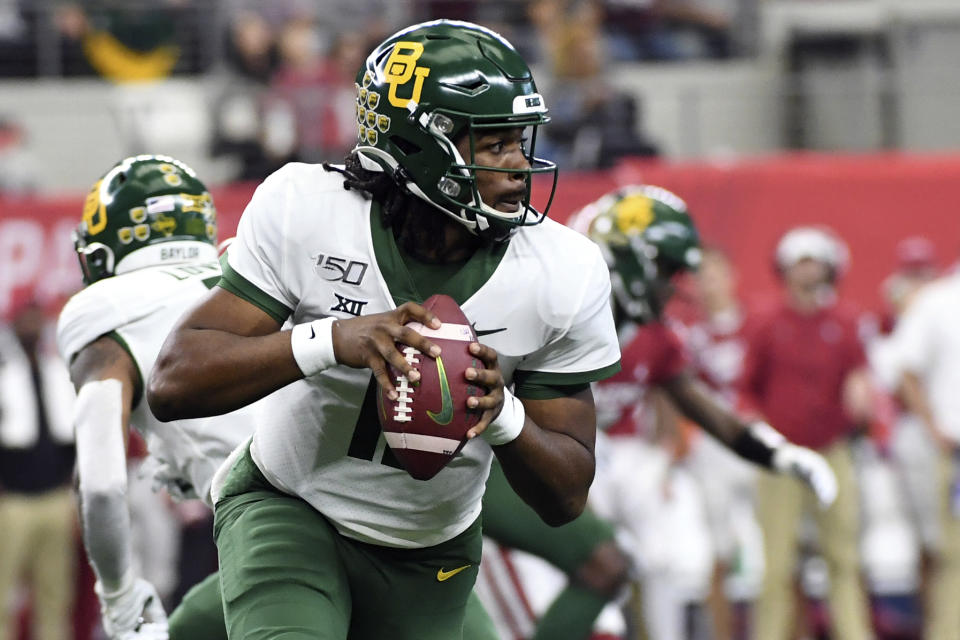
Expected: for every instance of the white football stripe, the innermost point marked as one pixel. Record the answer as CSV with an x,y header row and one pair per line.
x,y
421,442
447,331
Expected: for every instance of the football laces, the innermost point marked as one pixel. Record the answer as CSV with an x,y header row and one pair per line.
x,y
402,408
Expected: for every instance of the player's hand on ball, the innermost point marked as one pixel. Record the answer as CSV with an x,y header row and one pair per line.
x,y
129,609
489,377
371,341
809,467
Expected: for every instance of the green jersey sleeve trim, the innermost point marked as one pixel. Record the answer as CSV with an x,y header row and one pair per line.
x,y
542,378
243,288
138,391
548,391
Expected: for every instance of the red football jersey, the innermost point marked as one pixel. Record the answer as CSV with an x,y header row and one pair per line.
x,y
653,356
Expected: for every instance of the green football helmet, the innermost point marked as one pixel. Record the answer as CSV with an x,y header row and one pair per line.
x,y
147,210
646,236
428,85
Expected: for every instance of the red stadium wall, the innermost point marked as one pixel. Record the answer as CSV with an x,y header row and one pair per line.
x,y
871,201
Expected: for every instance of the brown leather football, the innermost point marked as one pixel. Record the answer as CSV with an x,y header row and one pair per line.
x,y
426,426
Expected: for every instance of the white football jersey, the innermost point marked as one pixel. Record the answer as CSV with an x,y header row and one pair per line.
x,y
138,309
307,248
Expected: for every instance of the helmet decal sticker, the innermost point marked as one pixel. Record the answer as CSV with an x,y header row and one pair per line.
x,y
401,66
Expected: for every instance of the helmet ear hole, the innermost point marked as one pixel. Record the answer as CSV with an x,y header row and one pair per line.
x,y
96,262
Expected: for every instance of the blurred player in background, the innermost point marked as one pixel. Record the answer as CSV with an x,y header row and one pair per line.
x,y
806,372
37,512
647,237
320,533
898,491
147,250
926,346
716,346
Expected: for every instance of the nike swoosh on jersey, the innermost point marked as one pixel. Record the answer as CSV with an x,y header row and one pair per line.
x,y
313,334
445,415
446,575
486,332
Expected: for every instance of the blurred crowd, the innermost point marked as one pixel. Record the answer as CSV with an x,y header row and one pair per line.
x,y
281,72
725,548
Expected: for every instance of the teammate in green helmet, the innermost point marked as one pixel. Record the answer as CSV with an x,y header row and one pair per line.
x,y
147,210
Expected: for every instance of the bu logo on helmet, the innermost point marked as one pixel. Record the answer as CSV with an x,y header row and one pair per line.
x,y
400,67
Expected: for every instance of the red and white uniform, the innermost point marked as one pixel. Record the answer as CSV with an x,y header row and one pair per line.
x,y
652,356
655,503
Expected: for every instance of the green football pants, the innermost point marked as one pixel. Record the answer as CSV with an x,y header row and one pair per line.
x,y
286,573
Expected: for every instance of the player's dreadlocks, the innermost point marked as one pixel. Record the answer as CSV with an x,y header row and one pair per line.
x,y
396,204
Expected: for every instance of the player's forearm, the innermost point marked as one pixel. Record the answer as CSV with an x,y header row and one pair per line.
x,y
696,403
203,372
551,471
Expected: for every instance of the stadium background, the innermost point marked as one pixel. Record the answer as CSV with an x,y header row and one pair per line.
x,y
762,114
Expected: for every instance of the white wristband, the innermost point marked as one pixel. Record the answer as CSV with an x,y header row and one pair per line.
x,y
312,344
508,425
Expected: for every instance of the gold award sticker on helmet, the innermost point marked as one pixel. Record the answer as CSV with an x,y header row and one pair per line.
x,y
371,118
400,68
634,213
94,211
373,99
141,232
138,214
164,224
170,175
125,235
383,123
196,203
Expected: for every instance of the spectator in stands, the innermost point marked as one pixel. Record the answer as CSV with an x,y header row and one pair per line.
x,y
593,124
237,109
317,94
133,41
805,372
669,29
37,515
17,49
927,352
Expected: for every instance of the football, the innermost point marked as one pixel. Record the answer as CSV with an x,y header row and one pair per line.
x,y
426,426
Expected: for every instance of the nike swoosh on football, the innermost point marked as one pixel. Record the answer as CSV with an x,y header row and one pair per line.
x,y
445,415
486,332
446,575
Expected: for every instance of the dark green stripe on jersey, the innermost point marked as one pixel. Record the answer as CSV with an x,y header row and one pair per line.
x,y
534,384
243,288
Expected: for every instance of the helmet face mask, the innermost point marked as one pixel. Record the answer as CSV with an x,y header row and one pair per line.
x,y
647,237
146,210
429,87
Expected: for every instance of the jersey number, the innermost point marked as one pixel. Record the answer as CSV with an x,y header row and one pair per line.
x,y
366,433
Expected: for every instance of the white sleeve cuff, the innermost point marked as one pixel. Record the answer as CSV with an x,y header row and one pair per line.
x,y
312,344
507,426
